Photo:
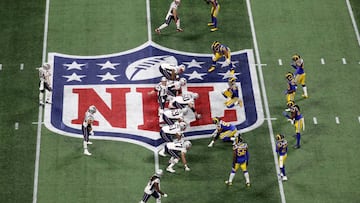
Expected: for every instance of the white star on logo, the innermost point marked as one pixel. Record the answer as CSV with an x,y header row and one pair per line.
x,y
73,76
108,64
194,63
195,75
74,65
224,64
108,76
228,75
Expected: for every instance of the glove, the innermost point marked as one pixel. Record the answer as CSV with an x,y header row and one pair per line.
x,y
165,195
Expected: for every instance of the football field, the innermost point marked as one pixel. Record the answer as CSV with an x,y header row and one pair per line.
x,y
42,163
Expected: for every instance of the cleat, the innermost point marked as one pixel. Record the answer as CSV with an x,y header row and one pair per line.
x,y
89,142
210,24
211,145
214,29
305,96
48,102
179,30
228,183
247,184
41,103
162,153
296,146
211,69
157,31
284,178
86,152
171,170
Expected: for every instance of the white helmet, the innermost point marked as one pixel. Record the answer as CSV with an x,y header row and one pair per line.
x,y
195,95
187,144
159,172
182,125
46,66
163,79
92,109
182,68
182,81
177,1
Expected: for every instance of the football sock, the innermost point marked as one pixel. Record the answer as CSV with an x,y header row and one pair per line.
x,y
282,169
163,26
305,90
247,178
298,139
231,177
178,24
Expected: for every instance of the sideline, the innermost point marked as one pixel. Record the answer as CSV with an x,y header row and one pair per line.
x,y
353,21
40,116
266,104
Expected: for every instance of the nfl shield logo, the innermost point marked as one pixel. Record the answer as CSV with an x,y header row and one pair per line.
x,y
118,85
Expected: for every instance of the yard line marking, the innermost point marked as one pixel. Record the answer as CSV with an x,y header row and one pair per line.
x,y
266,104
35,123
315,120
337,120
353,21
148,19
280,62
343,60
40,115
272,119
1,66
16,126
322,61
359,119
21,66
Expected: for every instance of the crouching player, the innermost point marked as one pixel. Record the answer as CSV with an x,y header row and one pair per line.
x,y
225,131
177,150
232,94
153,188
240,160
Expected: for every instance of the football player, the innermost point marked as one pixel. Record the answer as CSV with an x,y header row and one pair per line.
x,y
171,71
186,100
87,128
291,87
296,119
300,75
168,132
153,188
281,149
170,116
240,160
44,84
225,131
232,94
172,14
219,51
215,7
161,89
175,87
177,150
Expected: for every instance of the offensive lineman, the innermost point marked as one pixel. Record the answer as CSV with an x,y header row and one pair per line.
x,y
87,128
44,84
177,149
171,71
172,14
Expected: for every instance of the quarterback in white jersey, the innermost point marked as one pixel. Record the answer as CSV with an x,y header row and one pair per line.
x,y
172,14
177,149
171,71
44,84
186,100
152,188
87,128
161,89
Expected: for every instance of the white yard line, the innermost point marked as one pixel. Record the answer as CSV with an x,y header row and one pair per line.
x,y
148,19
343,61
315,120
267,111
322,61
40,115
280,62
353,21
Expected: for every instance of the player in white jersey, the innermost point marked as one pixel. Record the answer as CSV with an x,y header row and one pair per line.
x,y
153,188
87,128
171,71
175,88
170,116
186,100
44,84
161,89
177,149
172,14
168,132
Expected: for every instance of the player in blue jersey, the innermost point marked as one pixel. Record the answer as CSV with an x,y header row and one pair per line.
x,y
300,75
215,8
232,94
281,149
296,119
219,51
225,131
240,160
291,87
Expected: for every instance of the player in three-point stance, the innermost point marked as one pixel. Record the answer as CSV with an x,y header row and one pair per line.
x,y
281,149
225,131
169,132
177,150
172,14
296,119
44,84
215,8
240,160
185,101
153,188
219,51
87,128
170,71
300,75
232,94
